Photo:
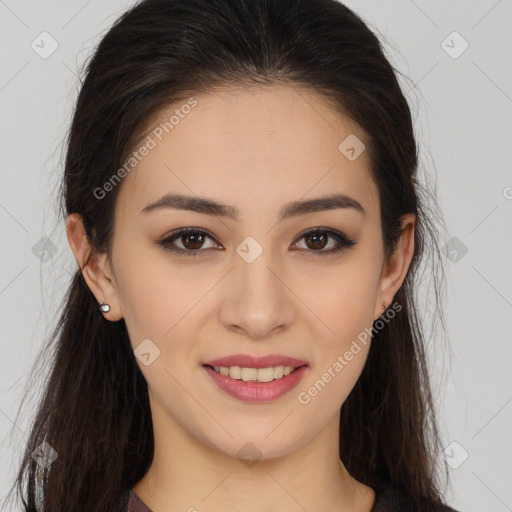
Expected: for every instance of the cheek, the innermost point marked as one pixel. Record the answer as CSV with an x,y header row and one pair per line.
x,y
155,296
340,357
358,288
343,336
159,306
345,300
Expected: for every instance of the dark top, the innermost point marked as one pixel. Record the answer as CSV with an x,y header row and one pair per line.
x,y
386,500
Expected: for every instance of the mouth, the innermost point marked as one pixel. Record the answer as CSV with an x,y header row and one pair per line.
x,y
256,384
247,374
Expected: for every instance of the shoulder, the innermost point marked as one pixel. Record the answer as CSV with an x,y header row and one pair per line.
x,y
129,501
389,499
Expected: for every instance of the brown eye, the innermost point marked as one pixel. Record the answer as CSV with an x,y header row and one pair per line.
x,y
188,241
317,239
192,241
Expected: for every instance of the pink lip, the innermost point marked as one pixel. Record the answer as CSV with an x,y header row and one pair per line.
x,y
253,391
247,361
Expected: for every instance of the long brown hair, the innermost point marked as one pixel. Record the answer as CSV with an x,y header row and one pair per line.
x,y
95,410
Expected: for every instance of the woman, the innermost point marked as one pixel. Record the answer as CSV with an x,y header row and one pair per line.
x,y
241,198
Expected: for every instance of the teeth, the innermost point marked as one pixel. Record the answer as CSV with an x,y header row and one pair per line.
x,y
254,374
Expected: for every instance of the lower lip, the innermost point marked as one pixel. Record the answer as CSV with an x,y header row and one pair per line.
x,y
253,391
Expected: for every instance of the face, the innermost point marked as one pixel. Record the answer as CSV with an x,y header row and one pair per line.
x,y
264,276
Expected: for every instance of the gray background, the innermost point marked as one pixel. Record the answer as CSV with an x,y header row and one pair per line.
x,y
461,103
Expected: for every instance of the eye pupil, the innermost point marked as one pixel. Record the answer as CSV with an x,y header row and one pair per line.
x,y
197,243
319,240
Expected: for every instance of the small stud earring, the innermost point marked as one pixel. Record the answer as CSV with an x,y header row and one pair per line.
x,y
104,308
384,306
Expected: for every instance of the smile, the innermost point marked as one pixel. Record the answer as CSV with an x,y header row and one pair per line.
x,y
257,385
255,374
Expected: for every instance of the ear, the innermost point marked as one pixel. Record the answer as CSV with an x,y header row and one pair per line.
x,y
394,272
95,267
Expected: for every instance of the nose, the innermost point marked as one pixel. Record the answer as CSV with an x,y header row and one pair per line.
x,y
257,301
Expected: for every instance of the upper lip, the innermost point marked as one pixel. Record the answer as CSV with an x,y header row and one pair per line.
x,y
248,361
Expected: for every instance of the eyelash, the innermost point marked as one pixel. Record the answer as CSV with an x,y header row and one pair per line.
x,y
343,241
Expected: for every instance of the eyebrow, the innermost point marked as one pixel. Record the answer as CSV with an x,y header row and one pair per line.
x,y
211,207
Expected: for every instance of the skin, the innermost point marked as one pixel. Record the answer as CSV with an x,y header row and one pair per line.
x,y
255,149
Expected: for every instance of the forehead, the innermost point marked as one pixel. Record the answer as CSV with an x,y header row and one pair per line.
x,y
256,147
